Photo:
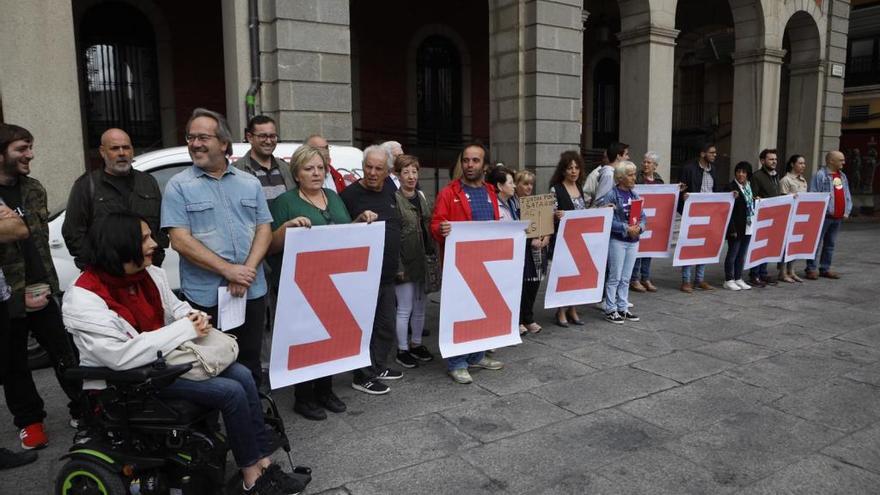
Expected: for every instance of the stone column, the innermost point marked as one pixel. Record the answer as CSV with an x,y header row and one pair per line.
x,y
236,64
756,81
306,68
803,133
535,82
42,96
832,108
647,64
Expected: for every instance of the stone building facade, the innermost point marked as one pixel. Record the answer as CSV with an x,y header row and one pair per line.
x,y
532,78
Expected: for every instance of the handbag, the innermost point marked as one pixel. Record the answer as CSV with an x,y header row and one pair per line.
x,y
210,355
433,273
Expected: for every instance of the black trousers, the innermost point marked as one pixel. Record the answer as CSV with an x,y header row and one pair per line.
x,y
310,390
249,334
384,333
22,398
527,302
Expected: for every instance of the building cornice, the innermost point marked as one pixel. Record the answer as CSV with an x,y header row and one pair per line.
x,y
648,34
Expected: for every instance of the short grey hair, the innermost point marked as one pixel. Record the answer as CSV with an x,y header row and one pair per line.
x,y
623,168
375,149
223,133
653,156
389,148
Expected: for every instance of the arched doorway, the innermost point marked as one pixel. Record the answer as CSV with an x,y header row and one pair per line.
x,y
801,88
438,91
703,89
120,78
606,103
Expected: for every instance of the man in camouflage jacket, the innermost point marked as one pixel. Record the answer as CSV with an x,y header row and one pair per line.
x,y
25,263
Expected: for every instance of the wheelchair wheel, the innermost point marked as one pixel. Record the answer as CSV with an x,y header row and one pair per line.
x,y
79,477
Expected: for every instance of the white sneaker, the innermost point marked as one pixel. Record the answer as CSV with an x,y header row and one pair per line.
x,y
731,285
742,284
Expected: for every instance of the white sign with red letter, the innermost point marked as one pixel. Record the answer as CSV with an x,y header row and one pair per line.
x,y
482,283
577,274
769,226
326,301
805,227
703,228
659,207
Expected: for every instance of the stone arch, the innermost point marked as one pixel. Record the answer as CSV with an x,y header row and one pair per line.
x,y
164,59
415,41
804,84
802,10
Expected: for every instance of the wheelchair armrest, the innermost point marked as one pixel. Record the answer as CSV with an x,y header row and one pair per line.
x,y
142,374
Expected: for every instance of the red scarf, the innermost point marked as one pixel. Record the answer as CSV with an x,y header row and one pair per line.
x,y
134,297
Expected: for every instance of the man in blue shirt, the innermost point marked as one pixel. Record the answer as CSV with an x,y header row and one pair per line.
x,y
219,222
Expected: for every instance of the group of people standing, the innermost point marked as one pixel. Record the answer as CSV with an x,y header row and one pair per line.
x,y
228,221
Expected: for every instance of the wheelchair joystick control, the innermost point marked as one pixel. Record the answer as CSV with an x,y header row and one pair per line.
x,y
160,361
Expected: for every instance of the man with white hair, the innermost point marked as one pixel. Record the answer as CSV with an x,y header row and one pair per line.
x,y
371,195
394,149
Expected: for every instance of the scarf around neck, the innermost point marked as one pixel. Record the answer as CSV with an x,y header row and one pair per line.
x,y
133,297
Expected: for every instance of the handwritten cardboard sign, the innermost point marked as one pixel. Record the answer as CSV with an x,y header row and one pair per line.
x,y
538,210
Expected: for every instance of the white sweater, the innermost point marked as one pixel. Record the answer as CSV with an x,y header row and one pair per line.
x,y
105,339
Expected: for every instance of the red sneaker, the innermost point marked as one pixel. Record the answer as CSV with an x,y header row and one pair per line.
x,y
33,437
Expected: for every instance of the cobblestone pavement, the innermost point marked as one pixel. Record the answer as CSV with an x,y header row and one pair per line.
x,y
774,390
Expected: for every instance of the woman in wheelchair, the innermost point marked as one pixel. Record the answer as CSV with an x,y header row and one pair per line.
x,y
121,312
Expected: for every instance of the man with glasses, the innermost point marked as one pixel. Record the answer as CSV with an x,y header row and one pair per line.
x,y
218,220
272,172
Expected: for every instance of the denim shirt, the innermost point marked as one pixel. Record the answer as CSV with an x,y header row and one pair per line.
x,y
223,215
821,182
620,219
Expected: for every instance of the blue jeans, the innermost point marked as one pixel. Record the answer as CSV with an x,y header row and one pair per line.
x,y
462,362
641,270
686,272
621,258
736,257
232,392
829,236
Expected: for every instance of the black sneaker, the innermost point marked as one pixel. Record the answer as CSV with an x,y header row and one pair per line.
x,y
390,374
265,485
331,403
614,317
289,484
372,387
629,316
310,410
421,353
406,360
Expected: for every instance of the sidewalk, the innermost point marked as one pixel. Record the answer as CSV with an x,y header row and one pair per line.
x,y
767,391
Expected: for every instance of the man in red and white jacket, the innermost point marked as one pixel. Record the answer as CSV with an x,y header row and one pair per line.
x,y
466,199
334,180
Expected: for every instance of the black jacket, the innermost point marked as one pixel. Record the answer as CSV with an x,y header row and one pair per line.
x,y
93,196
740,213
765,185
692,177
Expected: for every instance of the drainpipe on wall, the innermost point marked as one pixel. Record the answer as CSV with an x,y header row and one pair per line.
x,y
250,98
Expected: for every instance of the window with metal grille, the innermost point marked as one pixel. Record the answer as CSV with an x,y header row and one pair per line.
x,y
438,91
855,113
119,62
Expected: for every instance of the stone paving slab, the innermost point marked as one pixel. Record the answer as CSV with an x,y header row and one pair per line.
x,y
749,445
602,356
656,471
816,475
648,343
845,351
787,337
838,403
861,449
866,374
561,455
458,477
868,336
791,371
530,373
603,389
696,405
683,366
505,416
736,351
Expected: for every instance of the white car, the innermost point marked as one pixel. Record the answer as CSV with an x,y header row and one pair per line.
x,y
163,164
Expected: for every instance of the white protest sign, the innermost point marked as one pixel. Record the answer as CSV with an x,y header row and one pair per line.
x,y
326,301
703,228
805,227
769,227
482,284
659,208
577,275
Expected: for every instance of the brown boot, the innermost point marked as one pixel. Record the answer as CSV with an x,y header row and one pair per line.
x,y
705,286
687,287
811,275
637,286
649,286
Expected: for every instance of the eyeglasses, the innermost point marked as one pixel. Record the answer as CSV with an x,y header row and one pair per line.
x,y
198,137
266,137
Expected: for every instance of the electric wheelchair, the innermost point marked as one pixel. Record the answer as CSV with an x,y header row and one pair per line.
x,y
132,442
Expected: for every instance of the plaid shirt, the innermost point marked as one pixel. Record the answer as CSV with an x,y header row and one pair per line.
x,y
708,184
